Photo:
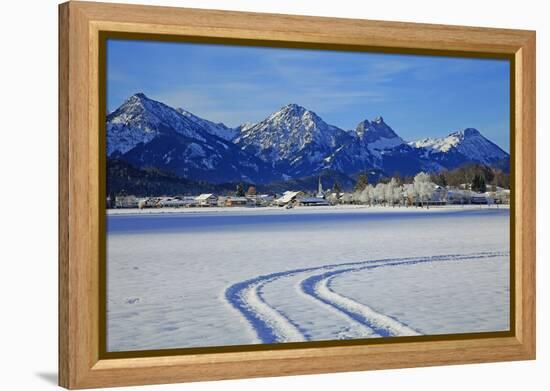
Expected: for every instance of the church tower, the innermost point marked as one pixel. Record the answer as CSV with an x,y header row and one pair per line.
x,y
320,193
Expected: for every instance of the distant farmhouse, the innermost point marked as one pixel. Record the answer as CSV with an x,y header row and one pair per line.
x,y
288,197
236,201
206,200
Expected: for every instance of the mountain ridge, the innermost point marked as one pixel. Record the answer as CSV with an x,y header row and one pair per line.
x,y
290,143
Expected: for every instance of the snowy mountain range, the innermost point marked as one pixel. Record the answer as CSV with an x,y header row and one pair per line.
x,y
291,143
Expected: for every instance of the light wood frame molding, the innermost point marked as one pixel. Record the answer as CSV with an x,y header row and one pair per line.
x,y
80,24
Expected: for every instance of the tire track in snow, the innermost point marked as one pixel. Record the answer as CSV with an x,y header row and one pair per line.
x,y
270,324
382,325
318,286
273,326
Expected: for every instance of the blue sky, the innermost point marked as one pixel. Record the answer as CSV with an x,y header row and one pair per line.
x,y
418,96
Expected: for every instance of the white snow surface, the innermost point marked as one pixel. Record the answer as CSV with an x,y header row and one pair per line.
x,y
247,276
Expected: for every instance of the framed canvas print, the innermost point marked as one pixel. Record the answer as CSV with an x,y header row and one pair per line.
x,y
249,195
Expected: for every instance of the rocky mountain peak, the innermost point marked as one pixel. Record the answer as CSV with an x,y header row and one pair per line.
x,y
375,130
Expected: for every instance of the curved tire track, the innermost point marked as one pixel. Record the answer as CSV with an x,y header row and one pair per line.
x,y
318,286
382,325
273,326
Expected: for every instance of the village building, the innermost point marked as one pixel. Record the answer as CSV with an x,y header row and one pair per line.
x,y
439,196
264,200
171,202
206,200
236,201
288,197
312,201
479,199
346,198
221,201
147,203
458,197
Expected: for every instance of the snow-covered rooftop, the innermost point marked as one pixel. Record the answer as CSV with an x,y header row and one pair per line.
x,y
204,196
288,196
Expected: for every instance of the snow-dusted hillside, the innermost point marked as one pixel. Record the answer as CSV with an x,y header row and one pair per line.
x,y
217,129
468,144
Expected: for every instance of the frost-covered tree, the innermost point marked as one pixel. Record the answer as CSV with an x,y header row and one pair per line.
x,y
370,194
388,191
408,194
392,192
397,194
356,197
363,197
380,193
347,198
334,198
423,187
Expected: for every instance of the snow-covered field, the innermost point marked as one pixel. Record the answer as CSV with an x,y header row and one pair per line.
x,y
245,276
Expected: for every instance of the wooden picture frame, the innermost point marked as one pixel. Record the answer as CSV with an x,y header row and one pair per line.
x,y
81,25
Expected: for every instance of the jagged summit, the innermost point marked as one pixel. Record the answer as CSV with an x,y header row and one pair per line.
x,y
294,112
469,132
362,127
293,107
377,134
139,99
139,95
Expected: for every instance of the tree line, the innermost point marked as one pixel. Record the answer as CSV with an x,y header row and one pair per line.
x,y
392,192
479,177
